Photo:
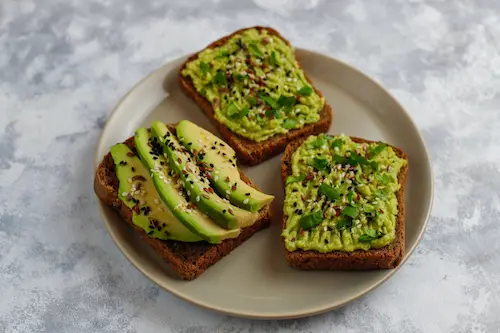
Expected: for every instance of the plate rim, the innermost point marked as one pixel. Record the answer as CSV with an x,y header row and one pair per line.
x,y
297,314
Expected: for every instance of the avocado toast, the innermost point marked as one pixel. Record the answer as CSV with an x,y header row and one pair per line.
x,y
251,86
163,185
344,203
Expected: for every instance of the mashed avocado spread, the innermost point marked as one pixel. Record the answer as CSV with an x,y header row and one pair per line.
x,y
255,85
341,195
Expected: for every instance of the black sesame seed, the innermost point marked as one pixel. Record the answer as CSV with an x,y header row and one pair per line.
x,y
294,190
247,194
295,204
223,211
211,165
133,169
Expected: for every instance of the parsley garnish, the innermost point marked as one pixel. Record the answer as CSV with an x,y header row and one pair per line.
x,y
220,78
205,68
293,179
286,101
344,223
305,91
350,211
269,100
368,236
272,59
238,76
311,220
319,142
232,110
222,54
252,100
320,163
236,113
331,193
373,151
289,123
337,143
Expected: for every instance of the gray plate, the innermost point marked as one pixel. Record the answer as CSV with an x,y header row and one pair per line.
x,y
254,280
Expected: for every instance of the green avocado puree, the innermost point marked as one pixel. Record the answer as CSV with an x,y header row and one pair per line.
x,y
255,85
341,195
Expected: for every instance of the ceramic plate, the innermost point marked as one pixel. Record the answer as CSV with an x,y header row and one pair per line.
x,y
254,280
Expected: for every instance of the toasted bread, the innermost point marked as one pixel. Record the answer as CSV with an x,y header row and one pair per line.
x,y
389,256
247,151
188,260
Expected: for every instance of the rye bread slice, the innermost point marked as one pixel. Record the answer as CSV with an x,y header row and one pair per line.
x,y
188,260
247,151
389,256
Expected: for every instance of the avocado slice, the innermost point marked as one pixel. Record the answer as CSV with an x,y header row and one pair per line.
x,y
225,176
136,188
198,186
170,191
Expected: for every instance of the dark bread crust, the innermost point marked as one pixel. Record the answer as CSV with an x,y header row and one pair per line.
x,y
188,260
389,256
247,151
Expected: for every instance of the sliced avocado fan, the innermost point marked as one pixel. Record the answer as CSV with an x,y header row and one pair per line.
x,y
197,186
170,190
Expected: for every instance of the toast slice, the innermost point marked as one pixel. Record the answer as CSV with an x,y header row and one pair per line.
x,y
251,152
387,257
188,260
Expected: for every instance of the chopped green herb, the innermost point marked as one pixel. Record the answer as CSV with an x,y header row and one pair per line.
x,y
232,110
235,113
368,236
205,68
350,211
204,92
243,112
373,151
269,100
350,194
339,159
327,190
305,91
337,143
286,101
344,223
220,78
252,100
320,163
238,76
319,142
289,123
273,113
293,179
272,59
311,220
222,54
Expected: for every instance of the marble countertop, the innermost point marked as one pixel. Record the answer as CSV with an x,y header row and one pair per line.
x,y
64,65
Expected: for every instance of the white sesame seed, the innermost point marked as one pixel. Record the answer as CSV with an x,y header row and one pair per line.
x,y
198,199
157,201
124,194
130,180
188,192
228,192
245,201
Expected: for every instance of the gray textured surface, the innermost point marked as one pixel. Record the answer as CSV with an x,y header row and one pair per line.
x,y
63,66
